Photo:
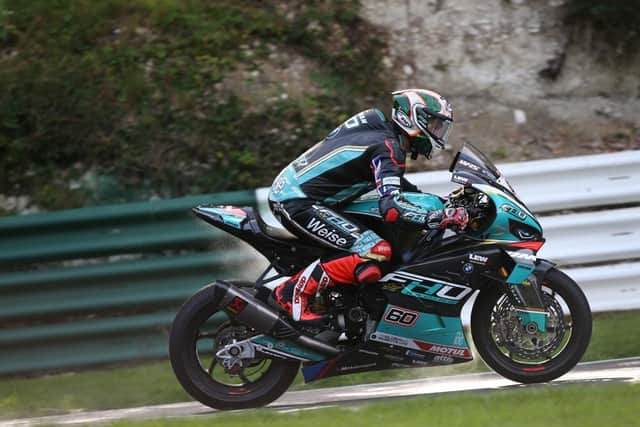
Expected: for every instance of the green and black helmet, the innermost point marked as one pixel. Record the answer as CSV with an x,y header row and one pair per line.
x,y
425,116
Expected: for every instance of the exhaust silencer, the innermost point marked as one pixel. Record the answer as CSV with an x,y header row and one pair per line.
x,y
244,307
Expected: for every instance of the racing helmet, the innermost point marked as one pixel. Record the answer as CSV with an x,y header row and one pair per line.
x,y
425,117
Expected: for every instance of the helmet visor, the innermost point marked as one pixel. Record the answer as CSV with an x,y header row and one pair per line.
x,y
437,126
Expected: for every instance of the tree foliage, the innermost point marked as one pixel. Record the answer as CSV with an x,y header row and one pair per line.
x,y
616,21
133,93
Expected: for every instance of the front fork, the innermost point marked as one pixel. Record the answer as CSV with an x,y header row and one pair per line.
x,y
524,290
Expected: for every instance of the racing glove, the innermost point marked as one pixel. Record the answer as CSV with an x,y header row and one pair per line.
x,y
455,218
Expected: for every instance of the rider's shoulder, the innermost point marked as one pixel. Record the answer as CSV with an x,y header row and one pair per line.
x,y
375,118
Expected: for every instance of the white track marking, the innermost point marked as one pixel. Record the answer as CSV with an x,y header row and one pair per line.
x,y
602,371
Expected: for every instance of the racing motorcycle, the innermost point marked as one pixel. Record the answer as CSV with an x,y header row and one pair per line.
x,y
231,347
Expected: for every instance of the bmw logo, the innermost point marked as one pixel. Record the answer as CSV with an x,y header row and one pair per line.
x,y
467,268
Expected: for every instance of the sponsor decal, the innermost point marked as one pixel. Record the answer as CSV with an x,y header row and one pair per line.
x,y
301,162
324,281
512,210
421,362
391,180
338,221
392,287
402,117
354,367
445,350
445,360
401,317
391,339
478,259
522,255
467,268
429,289
298,289
271,352
236,305
279,185
415,217
460,179
469,165
355,121
320,229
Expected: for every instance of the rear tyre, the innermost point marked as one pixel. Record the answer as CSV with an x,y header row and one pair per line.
x,y
532,357
196,334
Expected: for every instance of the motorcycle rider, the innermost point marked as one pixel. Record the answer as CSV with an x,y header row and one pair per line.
x,y
364,152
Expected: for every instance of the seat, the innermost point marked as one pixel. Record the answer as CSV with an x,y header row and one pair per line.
x,y
276,231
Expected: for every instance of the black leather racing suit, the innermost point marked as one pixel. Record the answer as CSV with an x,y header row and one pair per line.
x,y
363,153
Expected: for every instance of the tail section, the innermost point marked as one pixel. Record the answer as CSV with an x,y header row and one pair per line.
x,y
288,256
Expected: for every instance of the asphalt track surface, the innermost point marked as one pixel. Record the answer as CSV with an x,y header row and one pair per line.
x,y
600,372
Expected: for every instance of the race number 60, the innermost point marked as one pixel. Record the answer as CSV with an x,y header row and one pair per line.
x,y
401,317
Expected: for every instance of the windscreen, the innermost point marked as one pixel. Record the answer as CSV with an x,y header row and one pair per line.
x,y
471,166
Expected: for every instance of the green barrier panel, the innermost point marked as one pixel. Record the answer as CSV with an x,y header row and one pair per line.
x,y
101,285
125,213
87,343
112,271
103,241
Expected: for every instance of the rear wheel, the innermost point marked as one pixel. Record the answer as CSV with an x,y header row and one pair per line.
x,y
196,336
531,356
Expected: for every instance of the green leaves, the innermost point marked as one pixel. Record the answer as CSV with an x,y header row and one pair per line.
x,y
166,96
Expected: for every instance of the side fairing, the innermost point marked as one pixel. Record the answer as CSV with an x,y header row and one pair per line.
x,y
368,204
421,331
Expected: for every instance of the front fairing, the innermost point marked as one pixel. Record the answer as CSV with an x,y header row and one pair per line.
x,y
513,221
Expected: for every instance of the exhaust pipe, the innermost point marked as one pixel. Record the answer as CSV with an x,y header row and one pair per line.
x,y
244,307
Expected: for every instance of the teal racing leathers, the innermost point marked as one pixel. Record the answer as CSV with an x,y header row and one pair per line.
x,y
363,153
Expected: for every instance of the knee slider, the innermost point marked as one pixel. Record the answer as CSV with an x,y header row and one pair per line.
x,y
367,273
381,252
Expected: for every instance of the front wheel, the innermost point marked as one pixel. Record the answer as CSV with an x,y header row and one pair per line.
x,y
197,334
533,356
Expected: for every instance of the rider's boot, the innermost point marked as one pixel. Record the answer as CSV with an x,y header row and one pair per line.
x,y
295,296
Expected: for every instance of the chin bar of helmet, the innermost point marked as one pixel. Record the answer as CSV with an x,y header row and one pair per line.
x,y
415,153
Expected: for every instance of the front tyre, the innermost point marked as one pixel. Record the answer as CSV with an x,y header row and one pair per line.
x,y
196,335
533,356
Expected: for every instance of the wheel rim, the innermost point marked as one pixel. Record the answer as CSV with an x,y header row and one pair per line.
x,y
239,379
517,344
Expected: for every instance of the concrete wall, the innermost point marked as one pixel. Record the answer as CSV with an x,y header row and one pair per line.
x,y
493,57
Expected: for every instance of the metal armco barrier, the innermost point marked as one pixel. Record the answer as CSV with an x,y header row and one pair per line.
x,y
551,186
592,237
610,287
101,285
565,183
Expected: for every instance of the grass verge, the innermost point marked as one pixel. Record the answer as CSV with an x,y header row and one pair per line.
x,y
154,383
575,405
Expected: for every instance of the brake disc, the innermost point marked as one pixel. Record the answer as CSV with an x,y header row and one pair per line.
x,y
532,344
